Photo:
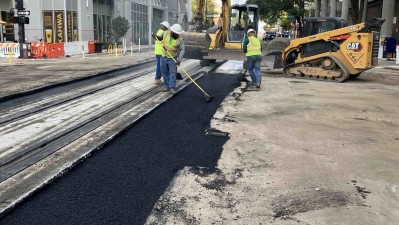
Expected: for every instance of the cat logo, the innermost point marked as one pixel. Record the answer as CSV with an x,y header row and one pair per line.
x,y
355,46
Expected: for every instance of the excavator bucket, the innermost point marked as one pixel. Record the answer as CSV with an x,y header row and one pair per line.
x,y
196,45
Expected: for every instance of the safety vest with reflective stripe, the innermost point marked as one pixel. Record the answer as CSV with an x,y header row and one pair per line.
x,y
253,47
158,44
172,45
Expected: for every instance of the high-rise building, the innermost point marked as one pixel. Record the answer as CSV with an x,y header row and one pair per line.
x,y
83,20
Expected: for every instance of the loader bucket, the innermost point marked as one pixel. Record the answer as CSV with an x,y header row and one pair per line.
x,y
196,45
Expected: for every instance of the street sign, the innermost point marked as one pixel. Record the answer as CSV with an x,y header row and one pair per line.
x,y
23,13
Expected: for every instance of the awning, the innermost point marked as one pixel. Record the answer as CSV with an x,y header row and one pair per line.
x,y
2,22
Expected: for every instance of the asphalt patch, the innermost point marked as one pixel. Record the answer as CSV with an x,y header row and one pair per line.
x,y
121,183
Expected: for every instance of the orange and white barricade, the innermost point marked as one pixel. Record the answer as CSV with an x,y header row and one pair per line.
x,y
9,48
38,49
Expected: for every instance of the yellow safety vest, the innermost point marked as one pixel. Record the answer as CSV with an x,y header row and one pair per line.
x,y
172,45
253,47
158,44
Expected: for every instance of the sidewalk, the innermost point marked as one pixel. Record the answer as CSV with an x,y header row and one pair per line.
x,y
26,75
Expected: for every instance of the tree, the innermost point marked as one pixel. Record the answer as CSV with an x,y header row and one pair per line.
x,y
119,27
273,11
357,7
286,24
211,7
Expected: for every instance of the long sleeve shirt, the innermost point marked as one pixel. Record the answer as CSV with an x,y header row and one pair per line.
x,y
245,44
181,48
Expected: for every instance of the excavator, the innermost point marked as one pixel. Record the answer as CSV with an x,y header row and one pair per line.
x,y
224,40
328,51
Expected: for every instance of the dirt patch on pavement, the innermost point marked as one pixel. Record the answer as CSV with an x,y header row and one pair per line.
x,y
299,202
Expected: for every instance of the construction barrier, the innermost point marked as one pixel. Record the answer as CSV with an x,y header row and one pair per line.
x,y
9,48
38,49
92,47
55,50
76,48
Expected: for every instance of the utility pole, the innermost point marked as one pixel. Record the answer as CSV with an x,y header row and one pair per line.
x,y
19,5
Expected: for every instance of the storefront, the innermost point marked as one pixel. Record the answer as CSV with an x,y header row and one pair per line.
x,y
102,13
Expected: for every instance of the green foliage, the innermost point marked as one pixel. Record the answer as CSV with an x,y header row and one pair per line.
x,y
119,27
279,11
286,23
211,7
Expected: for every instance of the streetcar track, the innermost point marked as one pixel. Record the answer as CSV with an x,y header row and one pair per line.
x,y
32,153
35,106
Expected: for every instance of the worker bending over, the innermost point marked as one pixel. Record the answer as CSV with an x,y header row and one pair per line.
x,y
173,46
253,51
158,51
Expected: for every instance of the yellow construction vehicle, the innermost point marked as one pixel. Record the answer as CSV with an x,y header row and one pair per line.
x,y
331,54
224,40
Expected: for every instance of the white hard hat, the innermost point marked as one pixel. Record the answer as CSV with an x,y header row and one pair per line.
x,y
166,24
176,28
251,30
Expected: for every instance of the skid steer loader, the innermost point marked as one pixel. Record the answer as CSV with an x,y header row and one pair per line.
x,y
330,52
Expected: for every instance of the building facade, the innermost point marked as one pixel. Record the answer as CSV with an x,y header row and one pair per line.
x,y
84,20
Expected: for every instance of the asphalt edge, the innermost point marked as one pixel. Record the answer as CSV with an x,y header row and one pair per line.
x,y
68,166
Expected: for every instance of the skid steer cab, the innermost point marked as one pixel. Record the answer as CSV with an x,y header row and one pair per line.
x,y
331,51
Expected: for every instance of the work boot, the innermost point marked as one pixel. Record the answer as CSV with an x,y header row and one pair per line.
x,y
165,89
258,85
173,91
158,82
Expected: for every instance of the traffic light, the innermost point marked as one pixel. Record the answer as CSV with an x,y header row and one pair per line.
x,y
19,4
24,20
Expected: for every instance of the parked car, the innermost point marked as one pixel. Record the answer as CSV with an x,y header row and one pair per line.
x,y
286,34
269,35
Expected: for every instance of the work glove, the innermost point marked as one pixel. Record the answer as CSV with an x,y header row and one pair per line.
x,y
178,62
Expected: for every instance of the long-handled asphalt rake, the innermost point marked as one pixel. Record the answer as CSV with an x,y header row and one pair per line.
x,y
207,96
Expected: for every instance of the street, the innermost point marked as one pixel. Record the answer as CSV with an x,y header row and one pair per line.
x,y
292,152
299,152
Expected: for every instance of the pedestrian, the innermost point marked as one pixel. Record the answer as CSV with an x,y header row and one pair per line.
x,y
253,51
173,47
158,51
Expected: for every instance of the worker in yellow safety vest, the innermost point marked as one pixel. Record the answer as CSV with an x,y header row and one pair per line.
x,y
158,51
173,47
253,51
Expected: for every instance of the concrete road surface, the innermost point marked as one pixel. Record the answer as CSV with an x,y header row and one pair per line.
x,y
300,152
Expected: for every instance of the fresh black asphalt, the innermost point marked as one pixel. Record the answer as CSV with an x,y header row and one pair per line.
x,y
120,183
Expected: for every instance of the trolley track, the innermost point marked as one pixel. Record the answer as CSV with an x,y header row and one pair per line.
x,y
19,108
29,151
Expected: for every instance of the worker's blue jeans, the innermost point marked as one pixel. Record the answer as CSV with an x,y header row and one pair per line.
x,y
168,70
253,66
158,73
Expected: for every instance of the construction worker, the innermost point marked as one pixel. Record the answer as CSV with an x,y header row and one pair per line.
x,y
173,46
253,51
158,51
